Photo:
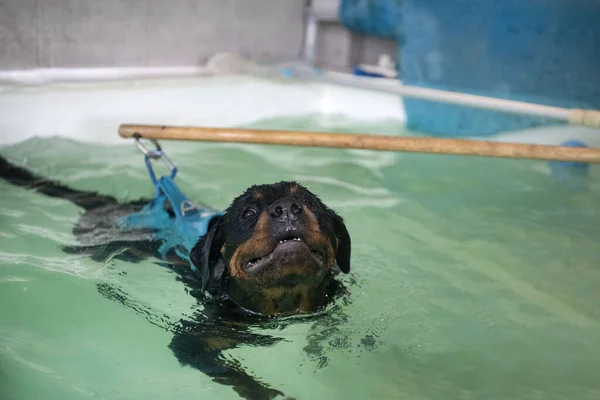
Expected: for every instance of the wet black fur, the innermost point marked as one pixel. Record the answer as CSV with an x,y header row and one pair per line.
x,y
193,342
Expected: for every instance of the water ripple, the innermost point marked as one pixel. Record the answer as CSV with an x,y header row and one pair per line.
x,y
73,265
374,191
363,202
12,213
45,233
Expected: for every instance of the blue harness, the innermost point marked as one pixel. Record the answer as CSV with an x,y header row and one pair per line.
x,y
191,221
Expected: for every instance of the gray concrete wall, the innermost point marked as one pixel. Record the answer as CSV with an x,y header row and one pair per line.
x,y
340,49
115,33
110,33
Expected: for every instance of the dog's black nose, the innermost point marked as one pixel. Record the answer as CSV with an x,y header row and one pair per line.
x,y
285,209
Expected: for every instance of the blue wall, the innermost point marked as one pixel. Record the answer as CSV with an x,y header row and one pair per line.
x,y
544,51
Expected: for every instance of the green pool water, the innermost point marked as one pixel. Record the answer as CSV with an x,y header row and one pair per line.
x,y
471,279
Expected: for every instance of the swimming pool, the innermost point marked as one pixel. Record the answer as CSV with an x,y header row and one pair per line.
x,y
472,277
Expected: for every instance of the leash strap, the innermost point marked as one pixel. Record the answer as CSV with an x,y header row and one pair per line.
x,y
174,220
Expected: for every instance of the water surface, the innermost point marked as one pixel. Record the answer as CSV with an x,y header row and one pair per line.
x,y
471,278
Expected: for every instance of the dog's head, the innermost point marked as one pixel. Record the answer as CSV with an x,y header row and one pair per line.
x,y
274,251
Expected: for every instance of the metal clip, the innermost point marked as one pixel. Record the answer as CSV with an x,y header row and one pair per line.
x,y
154,154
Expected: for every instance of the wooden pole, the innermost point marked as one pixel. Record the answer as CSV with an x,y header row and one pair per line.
x,y
366,142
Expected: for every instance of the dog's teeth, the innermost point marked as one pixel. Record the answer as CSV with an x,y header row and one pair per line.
x,y
295,239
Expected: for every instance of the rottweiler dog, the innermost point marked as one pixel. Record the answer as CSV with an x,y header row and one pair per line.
x,y
274,252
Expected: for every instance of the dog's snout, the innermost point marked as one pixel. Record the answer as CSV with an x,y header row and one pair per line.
x,y
284,209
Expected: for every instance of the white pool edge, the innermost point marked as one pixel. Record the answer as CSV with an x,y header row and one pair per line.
x,y
39,102
44,76
89,105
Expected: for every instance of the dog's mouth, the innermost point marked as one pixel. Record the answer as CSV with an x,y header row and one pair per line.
x,y
291,250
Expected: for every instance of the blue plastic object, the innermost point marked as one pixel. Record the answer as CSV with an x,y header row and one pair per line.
x,y
358,71
287,72
565,170
178,233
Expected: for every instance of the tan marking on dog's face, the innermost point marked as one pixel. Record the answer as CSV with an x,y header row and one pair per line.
x,y
257,195
286,300
293,188
267,302
303,303
257,244
315,237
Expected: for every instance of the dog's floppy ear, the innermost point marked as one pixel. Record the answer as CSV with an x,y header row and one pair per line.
x,y
207,258
342,256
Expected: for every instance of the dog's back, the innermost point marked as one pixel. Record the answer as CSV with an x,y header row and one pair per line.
x,y
22,177
97,230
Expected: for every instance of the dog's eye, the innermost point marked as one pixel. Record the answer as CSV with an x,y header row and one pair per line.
x,y
248,212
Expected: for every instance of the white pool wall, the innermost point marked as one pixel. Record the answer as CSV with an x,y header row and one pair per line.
x,y
90,104
92,111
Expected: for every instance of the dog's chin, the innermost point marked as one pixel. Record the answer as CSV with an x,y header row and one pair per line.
x,y
288,276
290,262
